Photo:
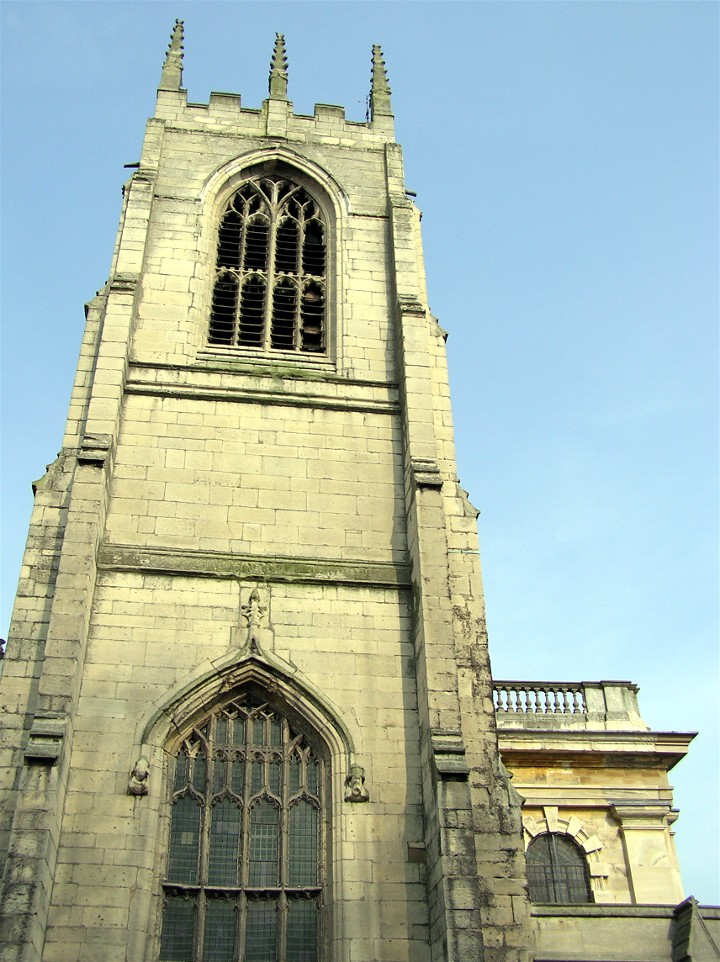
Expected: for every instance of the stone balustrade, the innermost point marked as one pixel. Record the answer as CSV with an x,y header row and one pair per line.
x,y
561,704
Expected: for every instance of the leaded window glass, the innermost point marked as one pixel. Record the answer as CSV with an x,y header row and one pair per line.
x,y
244,872
557,871
269,291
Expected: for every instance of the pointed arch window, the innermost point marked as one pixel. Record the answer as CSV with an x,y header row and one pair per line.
x,y
557,870
245,861
270,274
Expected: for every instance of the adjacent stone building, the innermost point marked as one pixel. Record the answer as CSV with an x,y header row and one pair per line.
x,y
597,817
249,710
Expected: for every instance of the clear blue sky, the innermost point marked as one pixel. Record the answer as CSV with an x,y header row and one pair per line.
x,y
565,158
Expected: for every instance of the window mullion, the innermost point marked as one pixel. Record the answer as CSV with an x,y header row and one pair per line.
x,y
300,276
242,911
554,880
245,841
282,910
207,808
284,842
270,282
319,789
284,788
201,905
241,274
200,913
247,790
235,336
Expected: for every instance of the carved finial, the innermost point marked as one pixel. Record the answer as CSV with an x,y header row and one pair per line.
x,y
355,790
138,784
278,70
172,68
379,87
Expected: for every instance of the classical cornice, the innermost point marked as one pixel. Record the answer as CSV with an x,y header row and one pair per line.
x,y
593,749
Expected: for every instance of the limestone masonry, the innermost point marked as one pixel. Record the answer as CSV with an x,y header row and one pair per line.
x,y
248,705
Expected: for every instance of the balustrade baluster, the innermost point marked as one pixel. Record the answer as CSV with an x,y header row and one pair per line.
x,y
528,698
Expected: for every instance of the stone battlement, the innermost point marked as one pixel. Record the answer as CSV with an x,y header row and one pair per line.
x,y
224,112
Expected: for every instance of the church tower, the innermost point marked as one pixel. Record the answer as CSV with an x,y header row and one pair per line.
x,y
249,701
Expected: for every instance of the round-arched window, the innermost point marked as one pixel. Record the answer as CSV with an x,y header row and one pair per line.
x,y
557,870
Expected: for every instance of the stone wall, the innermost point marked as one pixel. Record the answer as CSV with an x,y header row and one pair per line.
x,y
231,518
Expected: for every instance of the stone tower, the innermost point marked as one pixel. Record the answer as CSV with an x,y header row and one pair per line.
x,y
249,706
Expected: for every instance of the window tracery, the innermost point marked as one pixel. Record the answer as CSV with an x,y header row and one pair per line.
x,y
557,870
270,276
244,871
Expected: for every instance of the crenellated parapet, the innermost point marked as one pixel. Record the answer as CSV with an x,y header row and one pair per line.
x,y
275,118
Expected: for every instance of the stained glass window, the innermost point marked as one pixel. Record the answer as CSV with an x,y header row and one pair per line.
x,y
245,848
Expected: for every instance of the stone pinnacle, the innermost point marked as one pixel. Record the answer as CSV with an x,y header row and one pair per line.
x,y
379,88
171,78
278,70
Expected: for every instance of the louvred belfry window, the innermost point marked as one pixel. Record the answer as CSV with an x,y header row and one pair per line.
x,y
270,273
244,871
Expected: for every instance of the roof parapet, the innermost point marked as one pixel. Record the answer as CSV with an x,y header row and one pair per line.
x,y
607,705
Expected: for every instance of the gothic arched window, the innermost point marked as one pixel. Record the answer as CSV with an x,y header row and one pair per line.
x,y
557,870
270,272
245,860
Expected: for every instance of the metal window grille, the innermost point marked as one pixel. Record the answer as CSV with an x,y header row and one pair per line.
x,y
245,851
557,871
270,273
